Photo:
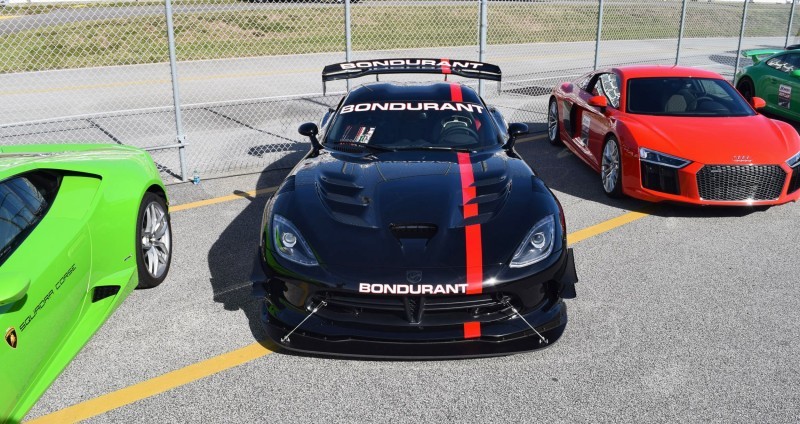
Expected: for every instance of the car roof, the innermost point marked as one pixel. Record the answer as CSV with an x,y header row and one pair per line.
x,y
400,91
651,71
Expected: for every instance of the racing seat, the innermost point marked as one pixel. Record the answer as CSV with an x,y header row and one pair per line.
x,y
680,101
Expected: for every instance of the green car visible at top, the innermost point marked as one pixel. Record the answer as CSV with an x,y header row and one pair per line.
x,y
81,226
775,77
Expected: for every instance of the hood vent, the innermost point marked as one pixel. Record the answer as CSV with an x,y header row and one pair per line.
x,y
413,231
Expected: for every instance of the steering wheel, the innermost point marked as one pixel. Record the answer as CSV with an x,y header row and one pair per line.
x,y
451,131
693,104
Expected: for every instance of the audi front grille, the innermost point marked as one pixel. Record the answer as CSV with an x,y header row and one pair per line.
x,y
740,182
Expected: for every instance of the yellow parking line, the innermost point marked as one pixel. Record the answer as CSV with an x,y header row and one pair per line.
x,y
154,386
222,199
217,364
602,227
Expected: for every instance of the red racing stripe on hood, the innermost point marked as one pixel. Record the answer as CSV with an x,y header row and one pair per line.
x,y
474,246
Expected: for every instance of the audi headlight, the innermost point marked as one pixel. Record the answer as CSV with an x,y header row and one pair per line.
x,y
658,158
537,245
289,243
794,160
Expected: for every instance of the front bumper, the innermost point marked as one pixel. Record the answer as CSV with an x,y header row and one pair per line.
x,y
683,185
352,325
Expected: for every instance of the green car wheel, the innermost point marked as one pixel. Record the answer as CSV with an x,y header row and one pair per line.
x,y
154,235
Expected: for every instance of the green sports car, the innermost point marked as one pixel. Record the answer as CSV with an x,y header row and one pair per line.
x,y
81,226
775,77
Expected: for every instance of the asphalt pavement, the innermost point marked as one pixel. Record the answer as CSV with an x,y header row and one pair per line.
x,y
236,112
685,315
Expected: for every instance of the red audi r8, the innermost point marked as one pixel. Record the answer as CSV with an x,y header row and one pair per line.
x,y
673,133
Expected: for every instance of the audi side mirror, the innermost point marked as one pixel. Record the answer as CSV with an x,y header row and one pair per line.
x,y
598,101
758,103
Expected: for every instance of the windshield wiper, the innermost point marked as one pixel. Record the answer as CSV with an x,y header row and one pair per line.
x,y
448,149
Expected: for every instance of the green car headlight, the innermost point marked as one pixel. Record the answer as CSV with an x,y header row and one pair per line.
x,y
289,244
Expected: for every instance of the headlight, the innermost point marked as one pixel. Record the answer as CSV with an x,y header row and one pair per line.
x,y
794,160
647,155
537,245
289,243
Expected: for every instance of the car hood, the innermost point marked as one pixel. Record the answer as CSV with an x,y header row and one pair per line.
x,y
717,140
404,209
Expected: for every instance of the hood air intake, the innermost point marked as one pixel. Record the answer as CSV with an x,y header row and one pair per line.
x,y
413,231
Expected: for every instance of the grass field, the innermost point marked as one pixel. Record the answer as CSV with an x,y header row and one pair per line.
x,y
274,30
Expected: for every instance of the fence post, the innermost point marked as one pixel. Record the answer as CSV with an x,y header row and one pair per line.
x,y
739,47
482,39
348,47
599,33
176,97
789,28
680,33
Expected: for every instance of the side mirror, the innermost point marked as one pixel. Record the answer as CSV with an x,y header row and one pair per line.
x,y
758,103
598,101
13,288
310,130
515,130
566,87
796,73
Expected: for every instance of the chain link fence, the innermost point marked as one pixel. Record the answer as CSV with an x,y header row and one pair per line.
x,y
247,73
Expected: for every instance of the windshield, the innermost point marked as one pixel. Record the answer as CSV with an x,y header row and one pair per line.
x,y
676,96
402,125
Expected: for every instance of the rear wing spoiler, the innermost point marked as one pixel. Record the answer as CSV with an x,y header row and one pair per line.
x,y
759,54
360,68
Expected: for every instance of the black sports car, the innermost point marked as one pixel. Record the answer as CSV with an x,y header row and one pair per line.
x,y
412,228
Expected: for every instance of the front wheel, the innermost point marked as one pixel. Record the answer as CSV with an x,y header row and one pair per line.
x,y
153,241
746,89
611,168
553,133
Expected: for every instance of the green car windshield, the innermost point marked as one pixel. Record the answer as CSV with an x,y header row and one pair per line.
x,y
412,125
678,96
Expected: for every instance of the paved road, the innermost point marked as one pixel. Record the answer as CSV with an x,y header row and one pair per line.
x,y
238,110
686,315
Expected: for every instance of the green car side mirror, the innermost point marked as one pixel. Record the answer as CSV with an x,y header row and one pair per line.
x,y
796,73
13,287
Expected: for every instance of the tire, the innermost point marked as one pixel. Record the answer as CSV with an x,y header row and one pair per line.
x,y
153,241
553,123
611,168
746,89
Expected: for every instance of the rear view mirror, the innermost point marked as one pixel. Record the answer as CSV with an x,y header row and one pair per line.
x,y
758,103
515,130
566,87
310,130
598,101
13,288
